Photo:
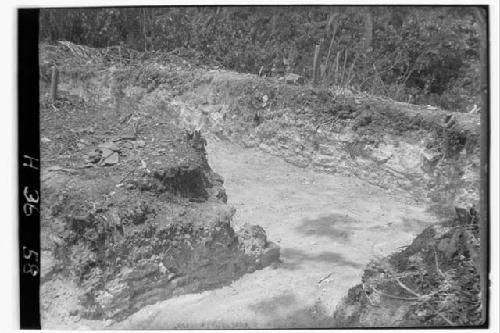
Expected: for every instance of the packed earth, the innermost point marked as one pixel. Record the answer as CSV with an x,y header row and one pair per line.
x,y
179,195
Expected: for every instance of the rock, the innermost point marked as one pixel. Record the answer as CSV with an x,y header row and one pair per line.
x,y
294,79
253,242
105,153
112,159
93,157
252,236
93,154
45,140
109,146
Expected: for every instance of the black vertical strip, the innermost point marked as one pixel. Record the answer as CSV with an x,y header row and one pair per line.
x,y
29,168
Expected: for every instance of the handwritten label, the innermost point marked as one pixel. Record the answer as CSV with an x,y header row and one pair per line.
x,y
31,265
31,260
31,160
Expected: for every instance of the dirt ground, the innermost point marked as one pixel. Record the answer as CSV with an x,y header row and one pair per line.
x,y
319,200
328,228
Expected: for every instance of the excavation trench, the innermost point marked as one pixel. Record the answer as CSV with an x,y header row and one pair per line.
x,y
328,228
331,199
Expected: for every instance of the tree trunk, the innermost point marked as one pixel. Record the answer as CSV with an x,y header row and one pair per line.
x,y
274,22
325,35
343,69
316,65
333,21
336,71
367,29
152,27
54,83
142,15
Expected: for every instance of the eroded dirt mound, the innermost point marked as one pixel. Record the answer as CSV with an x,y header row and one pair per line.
x,y
132,214
433,282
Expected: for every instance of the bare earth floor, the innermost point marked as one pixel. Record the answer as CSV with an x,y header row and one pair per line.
x,y
328,228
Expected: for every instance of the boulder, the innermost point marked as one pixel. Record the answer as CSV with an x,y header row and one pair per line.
x,y
109,145
112,159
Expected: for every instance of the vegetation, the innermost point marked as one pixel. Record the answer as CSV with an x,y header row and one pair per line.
x,y
424,55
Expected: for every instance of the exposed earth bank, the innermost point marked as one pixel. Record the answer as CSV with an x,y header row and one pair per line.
x,y
328,228
131,216
353,178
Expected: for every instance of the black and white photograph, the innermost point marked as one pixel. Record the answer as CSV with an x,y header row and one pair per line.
x,y
255,167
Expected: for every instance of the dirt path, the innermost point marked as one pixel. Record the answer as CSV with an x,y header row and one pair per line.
x,y
328,228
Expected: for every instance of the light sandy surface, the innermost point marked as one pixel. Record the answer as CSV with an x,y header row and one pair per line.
x,y
328,228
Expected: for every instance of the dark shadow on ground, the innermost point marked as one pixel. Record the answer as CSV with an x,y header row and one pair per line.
x,y
338,227
293,259
271,307
275,307
308,318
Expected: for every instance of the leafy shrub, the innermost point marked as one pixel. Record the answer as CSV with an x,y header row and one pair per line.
x,y
430,53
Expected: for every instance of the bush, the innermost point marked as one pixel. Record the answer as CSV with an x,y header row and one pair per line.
x,y
430,53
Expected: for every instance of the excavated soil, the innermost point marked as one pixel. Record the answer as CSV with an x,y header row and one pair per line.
x,y
131,218
328,228
337,180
